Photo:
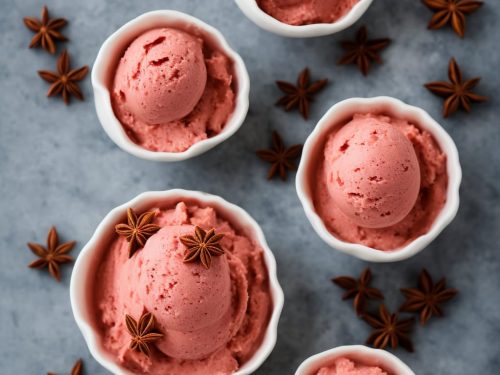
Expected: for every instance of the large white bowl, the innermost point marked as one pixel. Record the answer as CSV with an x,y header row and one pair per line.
x,y
107,60
269,23
364,354
83,271
394,107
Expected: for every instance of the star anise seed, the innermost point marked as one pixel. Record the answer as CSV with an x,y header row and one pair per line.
x,y
64,82
281,157
458,93
363,51
451,12
76,370
53,255
202,246
427,297
46,30
359,289
300,95
142,332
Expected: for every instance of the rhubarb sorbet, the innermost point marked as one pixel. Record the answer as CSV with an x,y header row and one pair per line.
x,y
346,366
304,12
173,88
212,319
380,181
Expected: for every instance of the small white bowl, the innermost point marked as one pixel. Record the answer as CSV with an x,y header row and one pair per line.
x,y
364,354
83,270
252,10
104,69
394,107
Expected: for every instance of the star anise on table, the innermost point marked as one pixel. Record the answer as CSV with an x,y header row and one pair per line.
x,y
202,246
389,330
451,12
300,95
46,30
53,255
137,230
142,332
359,289
427,297
281,157
76,370
458,93
64,81
363,51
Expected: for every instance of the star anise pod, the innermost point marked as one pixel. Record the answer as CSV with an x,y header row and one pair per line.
x,y
458,93
427,297
389,330
76,370
137,230
359,289
142,332
46,30
281,157
64,82
363,51
451,12
300,95
53,255
202,246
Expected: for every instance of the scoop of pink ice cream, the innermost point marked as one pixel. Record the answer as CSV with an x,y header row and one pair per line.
x,y
162,75
373,172
345,366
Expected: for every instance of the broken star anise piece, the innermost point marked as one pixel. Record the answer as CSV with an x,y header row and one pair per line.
x,y
389,330
458,93
142,332
202,246
363,51
359,289
137,230
53,255
64,82
451,12
76,370
281,157
427,297
46,30
300,95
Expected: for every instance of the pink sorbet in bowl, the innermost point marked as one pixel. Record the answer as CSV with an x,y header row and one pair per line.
x,y
347,366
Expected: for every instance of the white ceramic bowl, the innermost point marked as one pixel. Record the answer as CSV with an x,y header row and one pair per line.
x,y
104,69
91,253
265,21
360,353
394,107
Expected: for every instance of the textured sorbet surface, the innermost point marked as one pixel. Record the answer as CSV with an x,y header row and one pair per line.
x,y
429,202
345,366
304,12
172,88
212,320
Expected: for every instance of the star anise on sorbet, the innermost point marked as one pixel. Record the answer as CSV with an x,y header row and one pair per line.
x,y
137,230
451,12
46,30
389,330
363,51
64,81
202,246
427,297
76,370
142,332
300,95
282,159
458,93
359,289
53,255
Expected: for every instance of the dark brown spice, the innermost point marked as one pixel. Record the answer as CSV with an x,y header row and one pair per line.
x,y
46,30
202,246
280,157
76,370
142,332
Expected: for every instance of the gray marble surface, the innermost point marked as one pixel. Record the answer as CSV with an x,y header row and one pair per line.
x,y
58,167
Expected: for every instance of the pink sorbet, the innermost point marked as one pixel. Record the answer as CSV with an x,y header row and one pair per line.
x,y
304,12
378,186
346,366
212,320
173,88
